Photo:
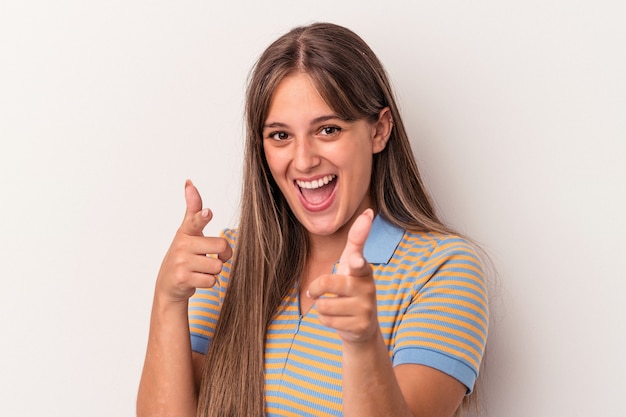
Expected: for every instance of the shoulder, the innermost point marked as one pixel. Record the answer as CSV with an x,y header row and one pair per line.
x,y
394,246
437,259
439,246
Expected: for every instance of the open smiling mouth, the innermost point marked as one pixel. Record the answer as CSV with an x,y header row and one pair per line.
x,y
318,191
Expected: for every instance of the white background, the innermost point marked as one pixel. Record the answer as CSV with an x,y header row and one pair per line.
x,y
516,110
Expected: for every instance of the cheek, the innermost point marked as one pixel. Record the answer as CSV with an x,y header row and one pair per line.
x,y
363,171
277,166
270,159
360,160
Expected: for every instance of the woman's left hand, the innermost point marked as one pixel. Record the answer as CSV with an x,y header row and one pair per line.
x,y
349,302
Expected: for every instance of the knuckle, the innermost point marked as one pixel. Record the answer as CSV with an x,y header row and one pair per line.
x,y
322,305
180,278
322,282
215,266
368,308
211,280
327,321
370,292
349,285
326,282
181,243
361,328
222,245
179,260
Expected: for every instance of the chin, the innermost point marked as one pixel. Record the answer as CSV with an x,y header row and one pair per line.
x,y
322,227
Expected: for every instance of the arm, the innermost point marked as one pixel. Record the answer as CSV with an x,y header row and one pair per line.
x,y
373,388
167,386
170,377
371,385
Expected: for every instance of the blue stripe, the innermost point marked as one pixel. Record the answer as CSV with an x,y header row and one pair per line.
x,y
210,320
296,409
403,336
441,343
417,278
314,382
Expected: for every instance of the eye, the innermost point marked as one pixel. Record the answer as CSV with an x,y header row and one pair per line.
x,y
278,136
330,130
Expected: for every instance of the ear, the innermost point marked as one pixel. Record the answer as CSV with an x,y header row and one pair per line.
x,y
382,130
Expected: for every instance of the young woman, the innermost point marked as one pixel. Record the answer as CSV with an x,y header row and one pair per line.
x,y
340,293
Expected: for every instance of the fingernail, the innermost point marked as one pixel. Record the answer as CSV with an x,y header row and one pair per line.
x,y
308,294
205,212
369,213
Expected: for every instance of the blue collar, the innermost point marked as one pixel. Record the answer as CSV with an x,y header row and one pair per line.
x,y
382,241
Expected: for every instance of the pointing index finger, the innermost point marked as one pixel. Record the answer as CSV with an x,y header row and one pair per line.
x,y
352,260
196,218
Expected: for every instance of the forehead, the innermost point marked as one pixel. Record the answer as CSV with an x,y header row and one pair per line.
x,y
296,97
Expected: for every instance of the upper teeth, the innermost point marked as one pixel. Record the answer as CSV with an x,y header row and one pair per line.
x,y
311,185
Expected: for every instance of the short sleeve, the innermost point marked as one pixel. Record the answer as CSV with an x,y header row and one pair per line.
x,y
445,325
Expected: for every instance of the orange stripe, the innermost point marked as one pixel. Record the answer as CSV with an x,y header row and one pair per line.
x,y
446,329
456,302
207,314
482,330
440,347
313,363
301,398
202,332
436,292
315,376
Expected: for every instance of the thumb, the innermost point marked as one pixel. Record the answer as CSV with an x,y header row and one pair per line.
x,y
195,218
352,261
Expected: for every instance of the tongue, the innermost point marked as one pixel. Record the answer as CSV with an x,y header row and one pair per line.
x,y
318,195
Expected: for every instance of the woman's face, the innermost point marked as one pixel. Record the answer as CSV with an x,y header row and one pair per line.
x,y
321,163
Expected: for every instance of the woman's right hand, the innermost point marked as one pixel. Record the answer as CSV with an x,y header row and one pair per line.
x,y
193,260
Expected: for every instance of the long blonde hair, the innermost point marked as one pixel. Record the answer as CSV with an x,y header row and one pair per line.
x,y
271,244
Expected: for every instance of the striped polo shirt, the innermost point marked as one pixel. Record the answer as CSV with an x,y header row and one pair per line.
x,y
432,309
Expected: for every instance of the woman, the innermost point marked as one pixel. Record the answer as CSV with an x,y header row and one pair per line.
x,y
341,292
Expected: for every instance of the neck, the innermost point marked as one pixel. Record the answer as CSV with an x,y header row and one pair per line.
x,y
330,247
326,248
324,252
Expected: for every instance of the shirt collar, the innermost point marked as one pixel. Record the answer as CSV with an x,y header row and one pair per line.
x,y
382,241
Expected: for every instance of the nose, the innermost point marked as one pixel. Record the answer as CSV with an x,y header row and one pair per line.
x,y
306,155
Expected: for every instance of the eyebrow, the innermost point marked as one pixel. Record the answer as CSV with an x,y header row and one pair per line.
x,y
313,122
